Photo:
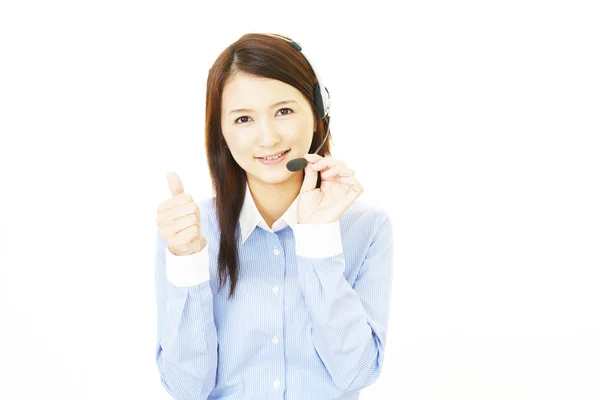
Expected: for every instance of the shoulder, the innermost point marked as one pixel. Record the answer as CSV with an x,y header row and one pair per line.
x,y
365,217
207,203
366,212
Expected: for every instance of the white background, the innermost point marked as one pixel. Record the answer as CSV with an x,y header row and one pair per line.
x,y
474,124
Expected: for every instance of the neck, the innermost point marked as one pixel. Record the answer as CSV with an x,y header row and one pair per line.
x,y
273,200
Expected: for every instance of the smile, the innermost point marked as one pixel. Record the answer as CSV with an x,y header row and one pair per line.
x,y
271,161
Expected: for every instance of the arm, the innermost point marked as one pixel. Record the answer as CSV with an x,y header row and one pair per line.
x,y
186,348
349,322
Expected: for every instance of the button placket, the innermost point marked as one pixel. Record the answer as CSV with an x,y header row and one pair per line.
x,y
274,338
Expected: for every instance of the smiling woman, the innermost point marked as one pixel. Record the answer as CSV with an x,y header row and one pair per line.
x,y
247,86
256,124
285,291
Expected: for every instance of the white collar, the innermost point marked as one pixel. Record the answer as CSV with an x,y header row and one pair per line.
x,y
250,217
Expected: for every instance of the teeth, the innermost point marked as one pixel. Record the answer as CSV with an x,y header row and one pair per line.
x,y
274,157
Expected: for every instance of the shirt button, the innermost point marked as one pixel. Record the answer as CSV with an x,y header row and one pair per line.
x,y
275,383
275,290
276,252
275,340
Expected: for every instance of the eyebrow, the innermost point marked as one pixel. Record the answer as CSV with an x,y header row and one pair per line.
x,y
273,105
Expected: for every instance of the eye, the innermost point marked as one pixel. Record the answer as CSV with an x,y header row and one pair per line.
x,y
291,111
241,120
244,116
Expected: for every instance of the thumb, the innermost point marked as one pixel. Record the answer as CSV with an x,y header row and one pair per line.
x,y
175,184
310,179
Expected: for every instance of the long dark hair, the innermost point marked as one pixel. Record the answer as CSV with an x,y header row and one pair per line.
x,y
263,56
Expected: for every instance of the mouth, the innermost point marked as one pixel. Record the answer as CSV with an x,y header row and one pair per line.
x,y
273,160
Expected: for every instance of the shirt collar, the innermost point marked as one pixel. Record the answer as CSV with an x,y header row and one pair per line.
x,y
250,217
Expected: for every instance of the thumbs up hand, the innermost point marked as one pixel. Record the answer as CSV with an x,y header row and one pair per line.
x,y
178,220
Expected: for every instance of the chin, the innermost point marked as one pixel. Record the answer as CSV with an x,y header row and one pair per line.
x,y
274,177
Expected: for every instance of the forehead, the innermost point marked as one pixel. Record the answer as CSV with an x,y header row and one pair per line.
x,y
248,90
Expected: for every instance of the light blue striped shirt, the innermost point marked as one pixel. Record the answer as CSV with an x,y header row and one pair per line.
x,y
308,319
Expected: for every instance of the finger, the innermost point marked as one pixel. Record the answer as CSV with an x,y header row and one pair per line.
x,y
186,236
182,211
310,179
180,224
338,170
312,158
167,216
175,184
327,162
175,201
350,183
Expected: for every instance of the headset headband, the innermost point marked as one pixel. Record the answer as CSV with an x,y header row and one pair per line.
x,y
320,92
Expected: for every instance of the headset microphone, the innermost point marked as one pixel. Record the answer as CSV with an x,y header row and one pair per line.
x,y
322,102
300,163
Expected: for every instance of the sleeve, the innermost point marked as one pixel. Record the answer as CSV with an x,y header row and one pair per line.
x,y
349,323
188,270
186,347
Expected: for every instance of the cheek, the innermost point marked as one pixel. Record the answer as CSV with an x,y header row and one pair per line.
x,y
299,131
237,141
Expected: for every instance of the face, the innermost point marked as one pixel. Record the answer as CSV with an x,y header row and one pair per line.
x,y
262,117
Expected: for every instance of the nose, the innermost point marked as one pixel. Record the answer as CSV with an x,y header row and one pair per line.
x,y
269,135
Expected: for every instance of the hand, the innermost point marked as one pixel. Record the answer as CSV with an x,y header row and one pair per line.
x,y
339,189
178,220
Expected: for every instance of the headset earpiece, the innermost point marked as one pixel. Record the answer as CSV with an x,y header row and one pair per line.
x,y
322,103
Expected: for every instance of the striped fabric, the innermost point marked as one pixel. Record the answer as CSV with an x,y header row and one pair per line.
x,y
300,326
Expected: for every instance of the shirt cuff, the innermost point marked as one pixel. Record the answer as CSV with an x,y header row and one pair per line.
x,y
318,240
187,270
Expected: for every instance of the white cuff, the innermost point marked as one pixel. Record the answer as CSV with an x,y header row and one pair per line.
x,y
318,240
188,270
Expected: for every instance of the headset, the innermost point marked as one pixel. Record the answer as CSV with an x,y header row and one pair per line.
x,y
322,102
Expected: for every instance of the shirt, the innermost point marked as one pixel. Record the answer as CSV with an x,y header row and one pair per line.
x,y
308,319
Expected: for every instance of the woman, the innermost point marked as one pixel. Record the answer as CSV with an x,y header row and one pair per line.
x,y
279,286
